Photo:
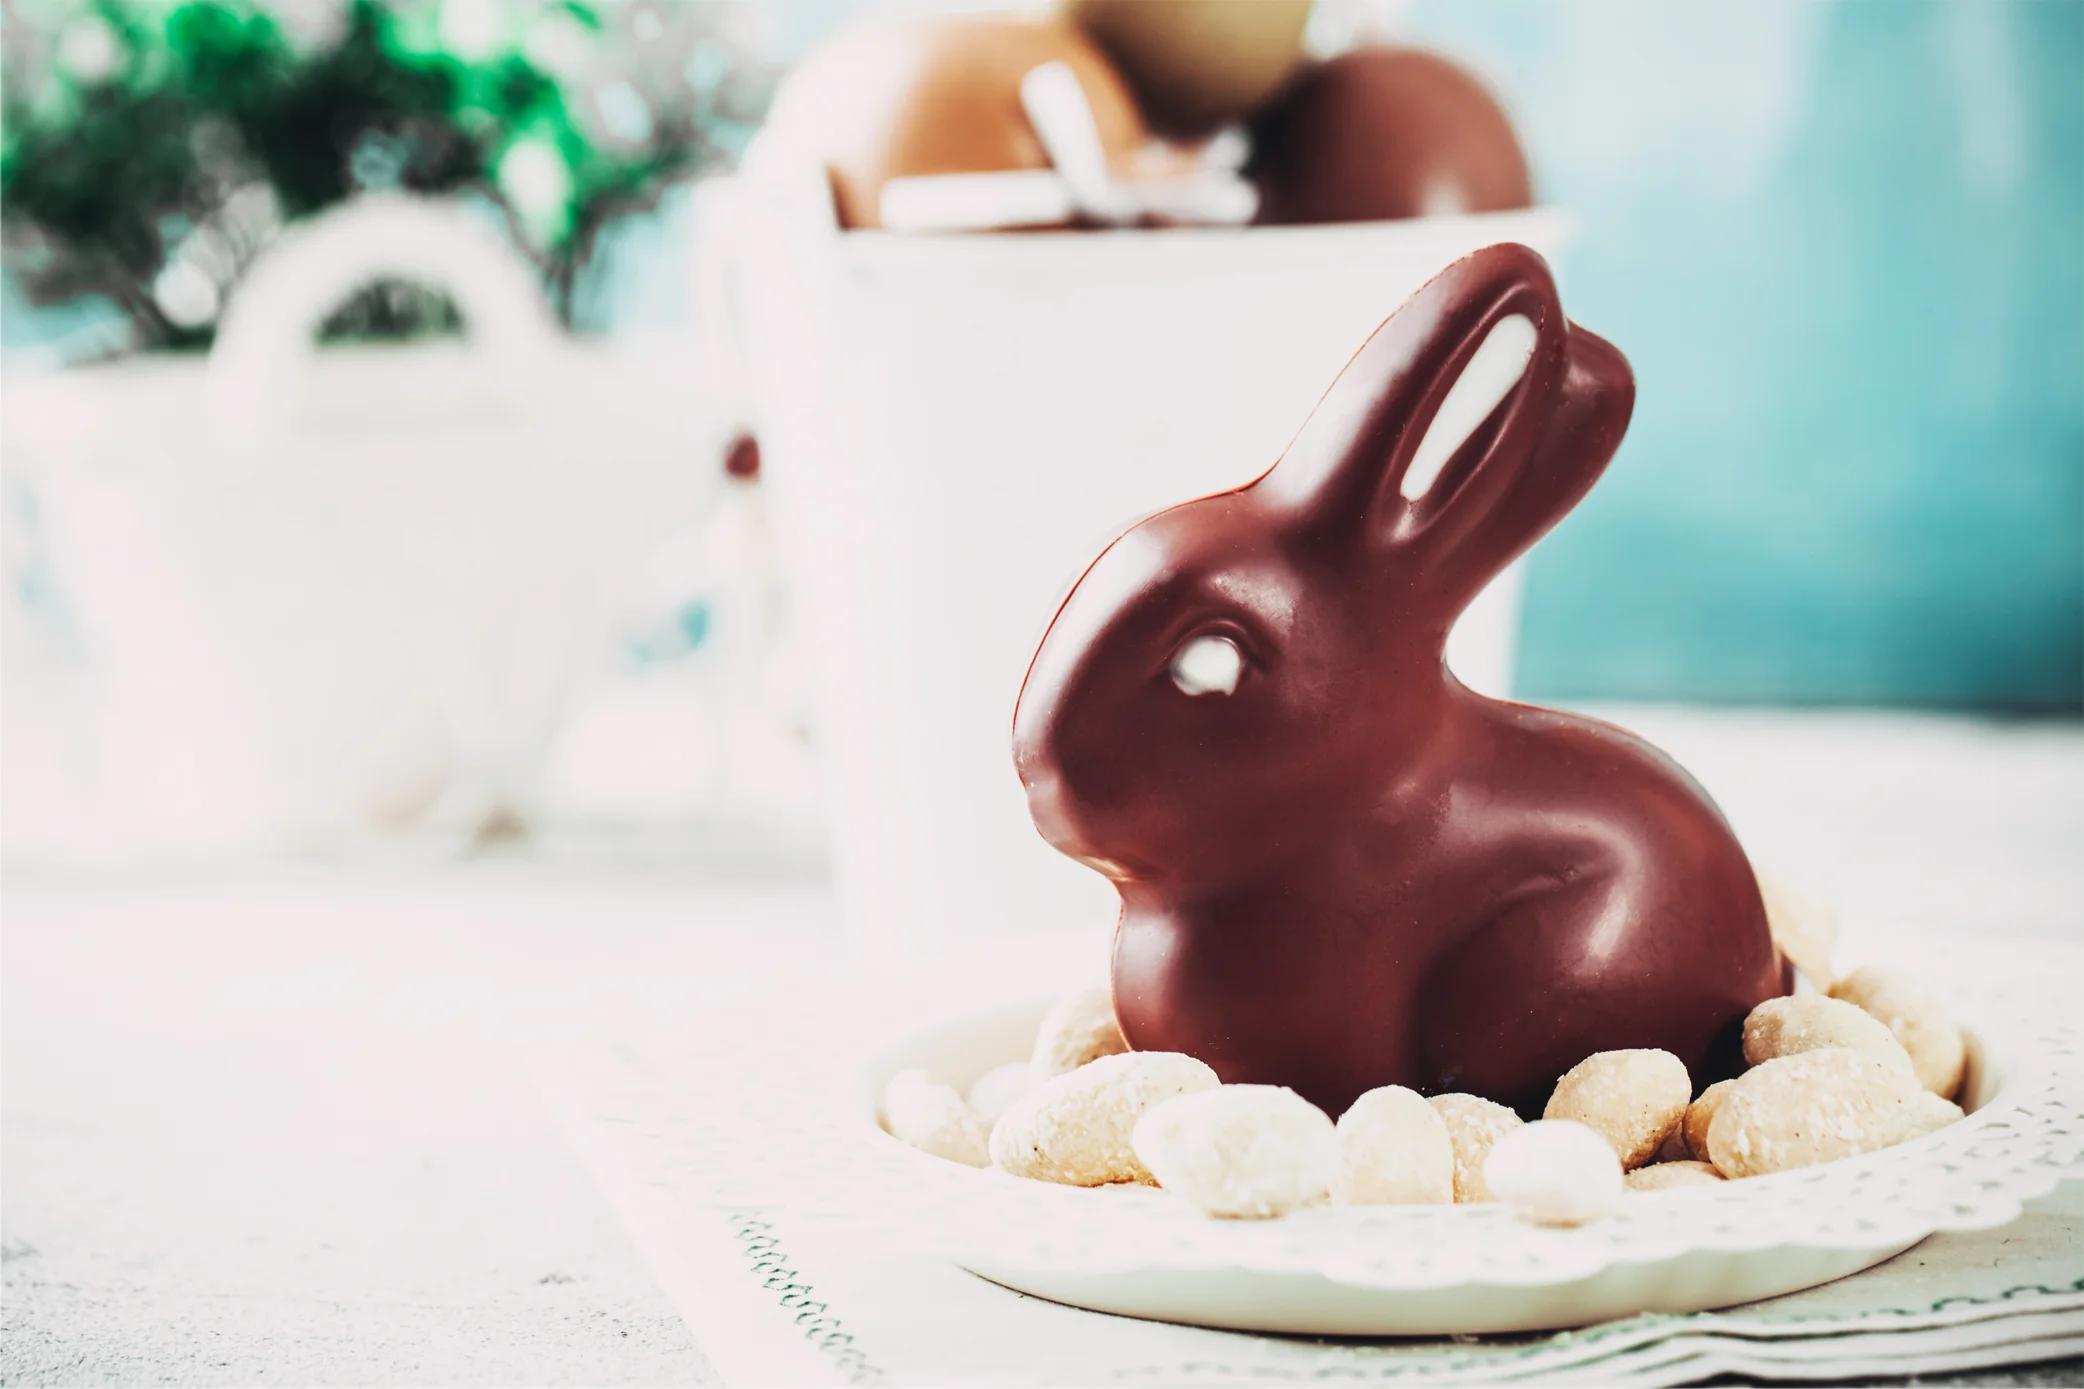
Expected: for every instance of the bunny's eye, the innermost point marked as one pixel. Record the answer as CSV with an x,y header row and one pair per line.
x,y
1208,665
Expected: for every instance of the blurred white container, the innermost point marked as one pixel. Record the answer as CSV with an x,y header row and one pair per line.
x,y
330,593
955,425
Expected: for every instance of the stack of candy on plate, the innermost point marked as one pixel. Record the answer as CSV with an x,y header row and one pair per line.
x,y
1870,1064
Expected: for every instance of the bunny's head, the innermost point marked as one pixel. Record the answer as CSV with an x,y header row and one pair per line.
x,y
1235,673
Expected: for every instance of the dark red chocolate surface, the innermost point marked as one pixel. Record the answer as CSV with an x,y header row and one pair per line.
x,y
1352,871
1382,133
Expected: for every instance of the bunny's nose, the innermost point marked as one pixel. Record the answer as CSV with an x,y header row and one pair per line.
x,y
1050,806
1046,804
1053,809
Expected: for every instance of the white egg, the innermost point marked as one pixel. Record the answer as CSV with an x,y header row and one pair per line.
x,y
1242,1151
1208,665
1555,1172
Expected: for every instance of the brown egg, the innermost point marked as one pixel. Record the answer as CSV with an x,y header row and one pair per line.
x,y
1197,65
1381,133
933,96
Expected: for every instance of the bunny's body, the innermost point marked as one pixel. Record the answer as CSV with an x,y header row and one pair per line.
x,y
1485,925
1339,868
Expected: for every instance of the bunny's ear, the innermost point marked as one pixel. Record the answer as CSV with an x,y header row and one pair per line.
x,y
1459,431
1468,539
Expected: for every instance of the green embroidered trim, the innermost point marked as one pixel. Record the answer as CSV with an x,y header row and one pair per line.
x,y
766,1257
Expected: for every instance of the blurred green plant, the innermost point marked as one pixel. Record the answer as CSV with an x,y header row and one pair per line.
x,y
149,149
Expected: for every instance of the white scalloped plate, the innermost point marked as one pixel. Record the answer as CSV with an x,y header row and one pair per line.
x,y
1450,1270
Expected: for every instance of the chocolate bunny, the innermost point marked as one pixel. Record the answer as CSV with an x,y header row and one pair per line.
x,y
1339,867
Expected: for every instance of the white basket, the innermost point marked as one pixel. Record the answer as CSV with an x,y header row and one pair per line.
x,y
329,593
954,425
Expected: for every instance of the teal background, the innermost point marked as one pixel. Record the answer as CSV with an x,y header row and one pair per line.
x,y
1843,244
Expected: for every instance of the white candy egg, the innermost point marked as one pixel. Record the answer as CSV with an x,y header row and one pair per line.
x,y
1555,1172
1245,1151
1208,665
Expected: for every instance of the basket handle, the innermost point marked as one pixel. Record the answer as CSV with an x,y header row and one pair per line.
x,y
266,339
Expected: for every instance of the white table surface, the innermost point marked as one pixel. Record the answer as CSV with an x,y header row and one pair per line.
x,y
266,1124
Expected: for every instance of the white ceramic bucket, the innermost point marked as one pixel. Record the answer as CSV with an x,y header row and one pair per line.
x,y
955,425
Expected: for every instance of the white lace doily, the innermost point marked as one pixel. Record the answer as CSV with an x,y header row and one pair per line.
x,y
794,1129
